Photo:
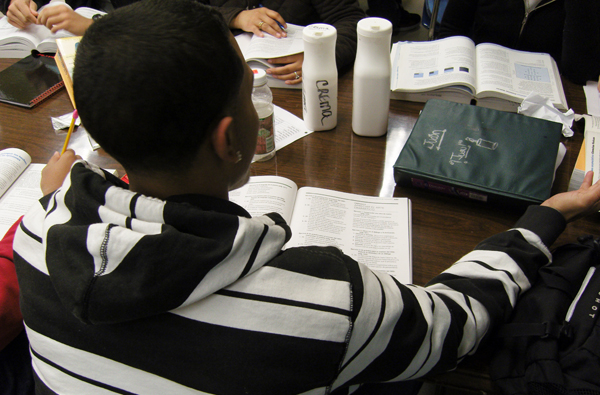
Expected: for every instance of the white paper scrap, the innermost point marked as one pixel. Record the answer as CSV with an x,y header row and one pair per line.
x,y
537,106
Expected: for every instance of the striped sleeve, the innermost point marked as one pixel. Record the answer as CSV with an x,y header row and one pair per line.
x,y
403,332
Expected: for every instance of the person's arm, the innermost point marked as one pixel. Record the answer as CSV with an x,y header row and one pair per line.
x,y
404,332
11,320
20,13
343,15
229,8
458,18
63,17
580,58
53,175
260,21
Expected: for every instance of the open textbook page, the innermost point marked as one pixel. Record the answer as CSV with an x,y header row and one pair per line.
x,y
375,231
511,75
589,153
455,69
19,185
427,65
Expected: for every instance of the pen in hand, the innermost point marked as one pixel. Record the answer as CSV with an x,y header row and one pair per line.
x,y
278,23
75,116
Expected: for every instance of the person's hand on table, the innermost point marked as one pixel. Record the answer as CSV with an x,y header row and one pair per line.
x,y
291,71
22,13
259,20
53,175
576,204
63,17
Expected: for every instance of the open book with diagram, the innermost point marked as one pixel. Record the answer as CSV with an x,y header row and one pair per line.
x,y
375,231
456,69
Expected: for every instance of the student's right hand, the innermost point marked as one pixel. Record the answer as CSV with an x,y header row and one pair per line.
x,y
53,175
576,204
22,13
259,20
63,17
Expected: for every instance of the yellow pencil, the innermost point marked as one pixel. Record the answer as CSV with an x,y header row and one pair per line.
x,y
64,148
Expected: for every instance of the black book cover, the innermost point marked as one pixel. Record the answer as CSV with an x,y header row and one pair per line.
x,y
29,81
480,153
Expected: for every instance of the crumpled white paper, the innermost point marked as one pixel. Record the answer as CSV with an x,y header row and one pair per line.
x,y
61,124
537,106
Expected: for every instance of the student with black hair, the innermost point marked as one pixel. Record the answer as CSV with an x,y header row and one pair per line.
x,y
164,286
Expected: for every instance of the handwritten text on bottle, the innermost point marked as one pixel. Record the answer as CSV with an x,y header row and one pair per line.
x,y
324,100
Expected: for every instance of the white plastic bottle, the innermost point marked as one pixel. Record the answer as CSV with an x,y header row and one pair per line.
x,y
372,73
262,98
319,77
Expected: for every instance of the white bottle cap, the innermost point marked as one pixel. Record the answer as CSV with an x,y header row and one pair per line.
x,y
260,77
319,33
374,27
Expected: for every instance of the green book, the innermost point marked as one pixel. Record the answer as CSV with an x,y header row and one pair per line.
x,y
480,153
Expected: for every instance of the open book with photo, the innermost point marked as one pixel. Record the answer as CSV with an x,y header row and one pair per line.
x,y
375,231
456,69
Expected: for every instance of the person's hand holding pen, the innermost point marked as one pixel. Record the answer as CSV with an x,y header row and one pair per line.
x,y
259,21
59,165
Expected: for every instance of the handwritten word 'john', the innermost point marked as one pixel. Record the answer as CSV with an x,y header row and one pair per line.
x,y
434,139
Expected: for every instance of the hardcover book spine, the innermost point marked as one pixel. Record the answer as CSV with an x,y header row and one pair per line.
x,y
448,189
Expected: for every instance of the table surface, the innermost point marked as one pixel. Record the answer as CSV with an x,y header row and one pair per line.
x,y
444,227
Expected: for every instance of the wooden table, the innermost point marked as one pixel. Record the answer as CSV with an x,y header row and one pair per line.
x,y
444,227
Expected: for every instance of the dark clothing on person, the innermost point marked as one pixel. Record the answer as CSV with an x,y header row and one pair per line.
x,y
568,30
142,295
342,14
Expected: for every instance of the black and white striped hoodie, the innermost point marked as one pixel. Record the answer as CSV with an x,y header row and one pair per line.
x,y
123,293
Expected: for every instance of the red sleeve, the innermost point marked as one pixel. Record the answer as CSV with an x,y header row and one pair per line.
x,y
11,320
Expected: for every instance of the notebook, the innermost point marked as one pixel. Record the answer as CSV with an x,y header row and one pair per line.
x,y
480,153
29,81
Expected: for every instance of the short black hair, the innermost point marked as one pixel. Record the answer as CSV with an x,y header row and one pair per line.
x,y
152,78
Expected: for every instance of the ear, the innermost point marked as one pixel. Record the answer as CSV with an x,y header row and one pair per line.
x,y
222,141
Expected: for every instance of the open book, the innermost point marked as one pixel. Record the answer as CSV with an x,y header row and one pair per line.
x,y
257,50
19,185
18,43
375,231
455,69
589,154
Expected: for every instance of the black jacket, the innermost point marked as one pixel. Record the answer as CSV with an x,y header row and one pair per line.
x,y
567,30
342,14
